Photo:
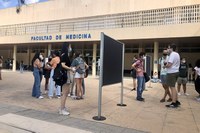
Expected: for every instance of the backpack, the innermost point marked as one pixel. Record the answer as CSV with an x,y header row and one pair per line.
x,y
81,69
60,75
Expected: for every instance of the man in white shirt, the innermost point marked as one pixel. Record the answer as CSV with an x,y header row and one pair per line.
x,y
172,66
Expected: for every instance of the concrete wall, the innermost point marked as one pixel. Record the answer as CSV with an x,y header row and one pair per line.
x,y
66,9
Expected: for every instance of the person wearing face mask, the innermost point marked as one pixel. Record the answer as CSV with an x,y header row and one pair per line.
x,y
135,58
47,74
41,69
36,63
182,79
172,66
138,66
163,73
53,63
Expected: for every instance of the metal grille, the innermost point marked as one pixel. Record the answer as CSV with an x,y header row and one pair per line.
x,y
168,16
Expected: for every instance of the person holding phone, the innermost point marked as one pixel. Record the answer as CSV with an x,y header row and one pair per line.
x,y
163,73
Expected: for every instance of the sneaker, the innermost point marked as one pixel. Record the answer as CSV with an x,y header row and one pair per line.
x,y
198,99
169,100
178,103
63,112
141,99
133,89
186,94
69,95
40,97
145,90
172,105
77,98
58,97
66,108
44,93
179,94
81,98
162,100
50,97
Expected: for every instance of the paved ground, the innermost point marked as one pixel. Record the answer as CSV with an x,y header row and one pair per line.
x,y
149,116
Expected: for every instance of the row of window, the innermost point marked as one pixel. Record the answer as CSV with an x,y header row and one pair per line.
x,y
168,16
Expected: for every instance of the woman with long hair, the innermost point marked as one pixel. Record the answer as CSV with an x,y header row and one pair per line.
x,y
65,62
53,63
36,62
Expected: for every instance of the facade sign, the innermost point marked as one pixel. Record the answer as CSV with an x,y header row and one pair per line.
x,y
59,37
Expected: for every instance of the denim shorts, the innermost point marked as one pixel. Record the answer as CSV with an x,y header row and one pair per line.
x,y
163,79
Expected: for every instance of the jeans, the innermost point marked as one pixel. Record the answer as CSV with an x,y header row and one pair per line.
x,y
21,69
83,85
36,87
51,86
155,80
140,87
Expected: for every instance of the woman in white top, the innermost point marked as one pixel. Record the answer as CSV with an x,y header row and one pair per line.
x,y
197,78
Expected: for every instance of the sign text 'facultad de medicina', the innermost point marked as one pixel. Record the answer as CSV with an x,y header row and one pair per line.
x,y
59,37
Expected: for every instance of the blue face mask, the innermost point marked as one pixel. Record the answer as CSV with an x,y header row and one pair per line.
x,y
144,58
167,50
70,50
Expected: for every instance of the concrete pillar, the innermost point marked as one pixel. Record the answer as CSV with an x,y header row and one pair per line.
x,y
141,47
49,49
14,57
45,52
94,60
156,48
29,56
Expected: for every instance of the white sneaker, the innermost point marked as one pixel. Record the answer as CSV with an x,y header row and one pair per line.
x,y
198,99
179,93
69,95
41,97
186,94
66,108
50,97
63,112
44,93
58,97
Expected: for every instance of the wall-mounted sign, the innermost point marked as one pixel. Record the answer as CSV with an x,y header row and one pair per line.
x,y
59,37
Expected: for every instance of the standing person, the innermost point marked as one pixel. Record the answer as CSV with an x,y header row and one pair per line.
x,y
83,84
65,62
190,75
182,79
36,62
47,74
11,63
1,65
197,79
138,66
78,77
41,69
163,73
21,67
172,66
53,64
72,78
135,58
7,63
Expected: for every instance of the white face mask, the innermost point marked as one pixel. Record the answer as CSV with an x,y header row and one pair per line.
x,y
41,57
184,61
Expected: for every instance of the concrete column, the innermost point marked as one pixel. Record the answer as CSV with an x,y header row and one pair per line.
x,y
14,57
29,55
94,60
45,52
156,48
141,47
49,48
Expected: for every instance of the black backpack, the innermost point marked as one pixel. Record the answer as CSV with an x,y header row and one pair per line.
x,y
60,75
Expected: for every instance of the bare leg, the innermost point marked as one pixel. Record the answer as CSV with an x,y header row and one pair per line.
x,y
134,83
46,83
168,92
78,87
0,75
184,88
81,87
179,87
164,86
65,90
174,94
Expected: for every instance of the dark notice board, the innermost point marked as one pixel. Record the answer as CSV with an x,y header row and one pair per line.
x,y
112,61
148,65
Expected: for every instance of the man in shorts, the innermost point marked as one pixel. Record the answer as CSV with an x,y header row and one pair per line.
x,y
163,73
172,66
182,79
